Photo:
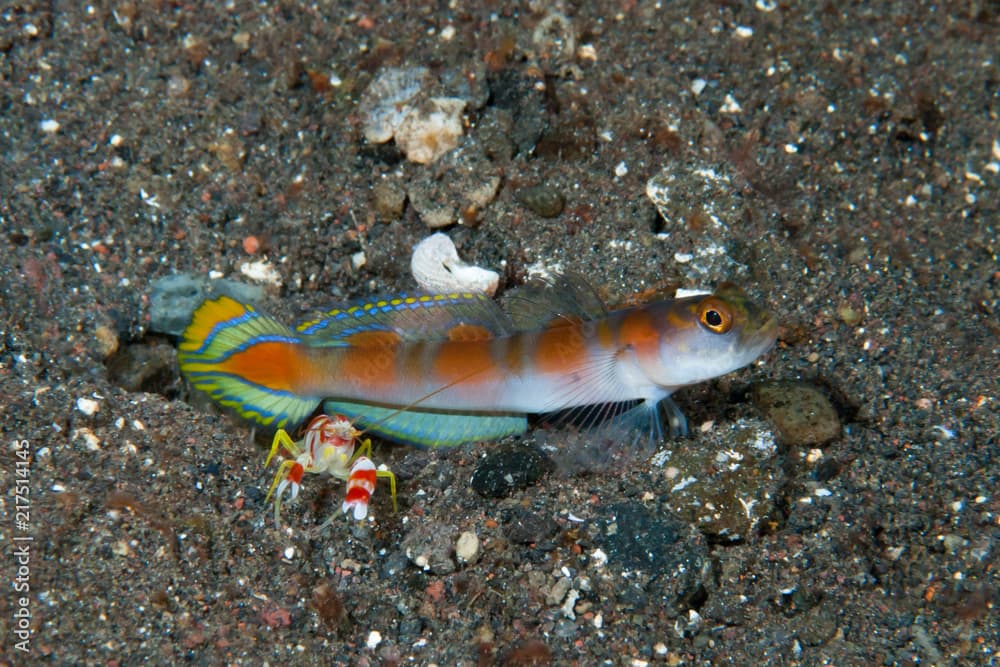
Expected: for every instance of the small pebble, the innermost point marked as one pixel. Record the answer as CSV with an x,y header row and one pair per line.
x,y
358,260
389,199
565,628
251,245
802,414
467,548
90,439
384,104
178,86
262,271
107,341
848,314
429,546
542,200
457,191
558,591
569,605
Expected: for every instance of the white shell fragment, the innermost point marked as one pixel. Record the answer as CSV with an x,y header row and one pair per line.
x,y
425,134
262,271
436,267
384,104
396,105
89,406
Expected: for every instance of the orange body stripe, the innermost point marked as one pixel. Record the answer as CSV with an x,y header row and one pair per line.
x,y
366,368
637,330
560,348
370,361
469,332
266,364
372,339
680,319
470,362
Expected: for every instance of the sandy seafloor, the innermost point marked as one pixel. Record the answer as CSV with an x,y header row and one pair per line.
x,y
838,160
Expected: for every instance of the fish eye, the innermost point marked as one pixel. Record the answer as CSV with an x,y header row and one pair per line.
x,y
715,315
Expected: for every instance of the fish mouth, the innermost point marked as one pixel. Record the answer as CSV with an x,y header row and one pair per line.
x,y
768,331
770,323
763,336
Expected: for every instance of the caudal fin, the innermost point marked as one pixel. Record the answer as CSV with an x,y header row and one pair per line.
x,y
245,360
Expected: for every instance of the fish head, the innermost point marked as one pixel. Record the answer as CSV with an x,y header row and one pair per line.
x,y
706,336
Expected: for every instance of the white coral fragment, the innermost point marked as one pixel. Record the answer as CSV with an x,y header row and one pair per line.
x,y
395,105
426,134
436,267
385,103
262,271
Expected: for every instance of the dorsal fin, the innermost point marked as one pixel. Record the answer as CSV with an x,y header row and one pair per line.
x,y
416,317
565,295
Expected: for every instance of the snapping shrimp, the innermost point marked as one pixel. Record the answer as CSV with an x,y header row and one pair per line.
x,y
331,445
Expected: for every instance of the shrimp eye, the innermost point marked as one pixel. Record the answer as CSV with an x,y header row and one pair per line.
x,y
715,316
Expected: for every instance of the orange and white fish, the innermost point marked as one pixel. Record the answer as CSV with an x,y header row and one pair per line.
x,y
446,369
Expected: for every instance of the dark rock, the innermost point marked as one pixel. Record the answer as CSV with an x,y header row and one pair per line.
x,y
411,627
523,526
394,564
493,132
174,298
506,470
573,140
